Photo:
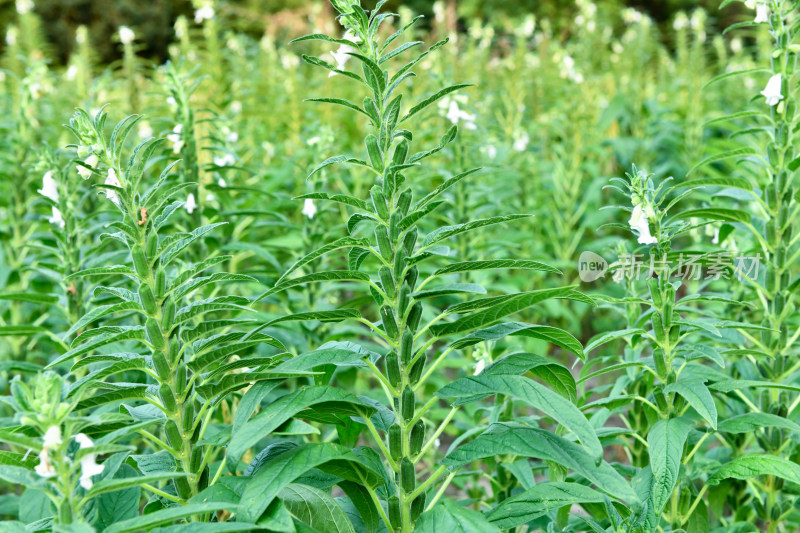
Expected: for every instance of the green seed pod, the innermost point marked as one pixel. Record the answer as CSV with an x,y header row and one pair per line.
x,y
402,299
685,500
395,442
660,362
668,315
414,316
161,282
655,292
400,264
168,316
400,152
392,369
140,265
147,299
410,241
389,322
384,245
418,505
173,434
416,370
394,512
661,401
183,488
394,226
196,459
408,403
658,328
154,334
387,282
379,202
404,202
406,347
152,244
375,155
412,276
674,335
188,416
174,352
408,477
417,437
180,379
202,483
167,398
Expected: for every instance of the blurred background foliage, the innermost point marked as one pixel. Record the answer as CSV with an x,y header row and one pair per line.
x,y
153,20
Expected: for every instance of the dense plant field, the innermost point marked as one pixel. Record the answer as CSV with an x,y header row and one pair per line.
x,y
380,279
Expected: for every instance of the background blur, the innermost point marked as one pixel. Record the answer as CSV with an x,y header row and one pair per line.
x,y
153,20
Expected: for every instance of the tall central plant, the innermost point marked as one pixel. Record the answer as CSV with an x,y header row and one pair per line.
x,y
408,273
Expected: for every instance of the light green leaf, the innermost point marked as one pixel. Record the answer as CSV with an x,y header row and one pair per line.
x,y
665,445
316,509
749,466
697,394
540,500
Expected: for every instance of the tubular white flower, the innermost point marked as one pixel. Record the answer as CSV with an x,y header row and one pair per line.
x,y
640,225
772,92
455,114
89,466
226,160
204,13
52,437
111,194
191,204
521,142
126,35
176,138
24,6
57,219
309,209
91,161
762,12
49,187
45,467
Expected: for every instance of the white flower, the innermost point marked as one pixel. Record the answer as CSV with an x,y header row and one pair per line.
x,y
45,467
309,209
225,161
91,161
521,142
640,224
190,205
232,137
204,13
126,35
24,6
341,55
11,36
171,100
222,183
772,92
762,12
236,107
71,72
491,151
145,130
52,437
715,239
455,114
479,366
89,466
111,194
176,138
49,187
57,219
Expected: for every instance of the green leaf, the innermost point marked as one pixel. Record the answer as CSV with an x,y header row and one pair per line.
x,y
715,213
316,509
496,264
174,248
445,232
699,397
338,159
281,410
335,315
433,98
346,199
506,305
605,338
554,374
535,395
453,288
448,516
509,438
736,73
318,277
17,475
752,422
32,297
738,152
665,445
344,242
102,271
101,311
749,466
550,334
111,485
118,334
540,500
168,515
274,476
443,187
